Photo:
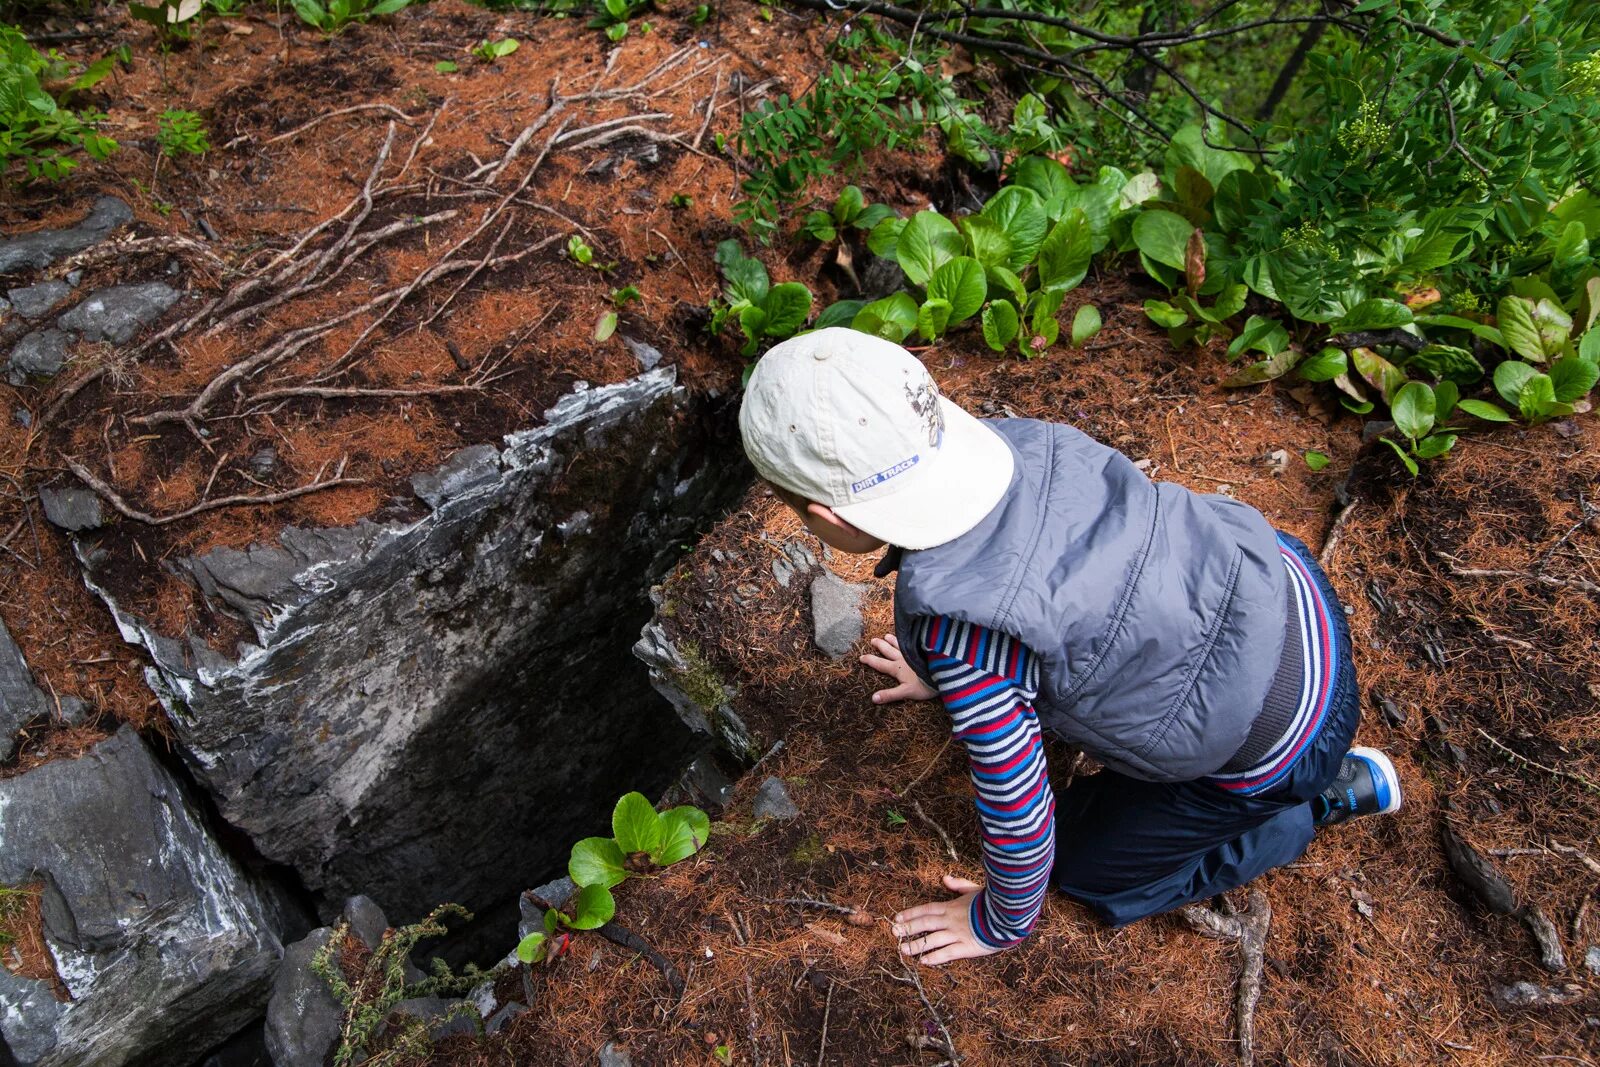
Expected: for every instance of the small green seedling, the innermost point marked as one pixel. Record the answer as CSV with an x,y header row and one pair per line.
x,y
613,16
579,251
628,293
182,133
642,840
174,20
1085,324
445,66
605,326
489,51
849,211
337,15
680,201
700,15
894,819
1316,460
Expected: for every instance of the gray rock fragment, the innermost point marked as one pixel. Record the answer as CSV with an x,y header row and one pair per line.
x,y
163,944
20,700
1529,995
773,801
783,572
366,920
1477,873
42,352
1591,960
835,614
614,1055
36,301
116,314
73,508
24,417
469,469
647,355
41,248
303,1017
1551,956
501,1018
31,1013
263,461
75,711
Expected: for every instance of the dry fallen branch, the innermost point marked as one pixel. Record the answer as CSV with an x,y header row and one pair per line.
x,y
949,846
1249,929
944,1031
1517,757
166,244
390,109
122,507
1581,584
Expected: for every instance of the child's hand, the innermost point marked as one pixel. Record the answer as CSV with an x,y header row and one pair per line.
x,y
942,931
889,661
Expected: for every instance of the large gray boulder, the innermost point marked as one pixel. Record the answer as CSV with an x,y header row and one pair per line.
x,y
163,944
41,248
434,710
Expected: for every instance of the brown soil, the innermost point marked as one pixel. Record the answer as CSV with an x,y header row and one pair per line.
x,y
1411,983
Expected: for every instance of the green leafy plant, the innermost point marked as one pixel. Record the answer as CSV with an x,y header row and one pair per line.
x,y
579,252
679,201
38,126
612,17
761,309
182,133
700,15
849,211
626,295
488,51
335,16
642,840
445,66
226,8
174,20
370,995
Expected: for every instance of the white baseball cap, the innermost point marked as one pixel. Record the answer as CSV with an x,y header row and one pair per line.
x,y
856,423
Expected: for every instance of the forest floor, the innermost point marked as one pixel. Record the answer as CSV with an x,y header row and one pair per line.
x,y
1376,954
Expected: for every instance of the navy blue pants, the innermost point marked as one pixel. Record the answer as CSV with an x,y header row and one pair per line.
x,y
1129,848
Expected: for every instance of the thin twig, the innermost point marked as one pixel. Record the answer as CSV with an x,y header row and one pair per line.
x,y
389,108
1513,754
711,110
926,770
827,1012
127,510
916,807
1335,531
916,979
807,902
1581,584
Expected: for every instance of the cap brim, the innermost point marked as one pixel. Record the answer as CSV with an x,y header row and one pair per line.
x,y
946,498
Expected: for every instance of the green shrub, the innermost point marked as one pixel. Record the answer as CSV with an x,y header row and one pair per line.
x,y
182,133
334,16
38,127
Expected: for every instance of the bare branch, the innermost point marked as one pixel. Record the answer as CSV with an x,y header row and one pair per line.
x,y
122,507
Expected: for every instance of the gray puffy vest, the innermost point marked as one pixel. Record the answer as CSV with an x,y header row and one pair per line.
x,y
1157,614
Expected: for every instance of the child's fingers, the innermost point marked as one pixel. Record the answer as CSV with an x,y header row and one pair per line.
x,y
960,950
889,647
921,919
960,885
878,663
889,696
938,939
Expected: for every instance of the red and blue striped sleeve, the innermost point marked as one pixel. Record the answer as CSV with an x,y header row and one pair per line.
x,y
988,682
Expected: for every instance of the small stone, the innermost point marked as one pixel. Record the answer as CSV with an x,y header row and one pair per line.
x,y
506,1014
74,508
575,525
835,614
41,248
24,417
1391,712
1528,995
1374,429
719,556
1591,960
117,314
1566,428
303,1018
41,352
74,278
1277,461
612,1055
783,572
75,711
773,801
648,355
36,301
366,920
263,461
1491,805
801,556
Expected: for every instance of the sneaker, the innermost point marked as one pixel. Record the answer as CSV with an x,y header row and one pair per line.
x,y
1366,785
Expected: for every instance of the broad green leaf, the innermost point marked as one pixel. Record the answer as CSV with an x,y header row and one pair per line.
x,y
1193,189
1510,377
1272,367
819,226
684,831
1140,187
871,216
787,306
1188,147
1572,245
1378,372
753,324
1411,464
1162,236
1000,323
1085,324
986,241
1589,347
597,861
1412,410
1435,446
1042,307
1064,256
1164,314
1044,176
1098,204
747,277
1314,459
892,318
928,241
531,949
1373,314
1554,325
1573,377
849,205
1516,324
884,238
1325,366
839,313
1003,283
1447,361
1429,254
593,908
1537,401
444,66
1238,193
1231,300
962,284
635,824
1482,409
606,326
1259,333
1021,215
933,318
1445,396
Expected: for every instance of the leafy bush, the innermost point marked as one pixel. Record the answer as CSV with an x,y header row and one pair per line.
x,y
174,20
761,309
182,133
642,840
37,125
850,211
335,16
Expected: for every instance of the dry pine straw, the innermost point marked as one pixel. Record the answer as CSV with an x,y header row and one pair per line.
x,y
1409,984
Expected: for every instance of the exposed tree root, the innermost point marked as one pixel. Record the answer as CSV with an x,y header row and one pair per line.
x,y
1249,929
122,507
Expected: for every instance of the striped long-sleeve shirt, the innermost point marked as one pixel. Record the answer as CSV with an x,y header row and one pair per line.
x,y
988,682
